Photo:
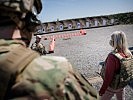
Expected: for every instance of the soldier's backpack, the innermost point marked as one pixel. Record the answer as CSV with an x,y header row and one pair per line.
x,y
125,74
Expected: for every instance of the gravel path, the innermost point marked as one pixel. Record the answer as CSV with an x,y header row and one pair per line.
x,y
87,51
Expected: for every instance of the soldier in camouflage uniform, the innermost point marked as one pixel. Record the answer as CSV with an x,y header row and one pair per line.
x,y
39,47
24,74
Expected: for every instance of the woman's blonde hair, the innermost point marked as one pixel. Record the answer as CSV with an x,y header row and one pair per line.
x,y
120,42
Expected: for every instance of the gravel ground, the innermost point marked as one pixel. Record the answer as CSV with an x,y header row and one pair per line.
x,y
87,51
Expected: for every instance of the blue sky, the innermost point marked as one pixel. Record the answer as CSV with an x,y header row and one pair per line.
x,y
68,9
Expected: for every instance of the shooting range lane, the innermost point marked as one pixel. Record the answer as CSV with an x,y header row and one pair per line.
x,y
85,52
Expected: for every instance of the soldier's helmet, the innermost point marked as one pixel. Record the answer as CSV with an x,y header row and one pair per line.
x,y
22,12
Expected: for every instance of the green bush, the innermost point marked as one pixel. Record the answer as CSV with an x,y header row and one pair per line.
x,y
123,18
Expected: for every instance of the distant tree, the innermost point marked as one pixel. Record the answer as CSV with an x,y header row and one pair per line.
x,y
123,18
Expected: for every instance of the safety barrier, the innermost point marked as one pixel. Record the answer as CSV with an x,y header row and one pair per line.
x,y
64,35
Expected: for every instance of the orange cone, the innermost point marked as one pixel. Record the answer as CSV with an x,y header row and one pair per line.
x,y
83,32
51,46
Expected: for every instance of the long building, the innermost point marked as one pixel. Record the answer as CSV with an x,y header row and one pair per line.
x,y
75,24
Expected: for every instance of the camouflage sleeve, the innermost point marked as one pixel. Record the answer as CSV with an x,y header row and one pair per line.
x,y
40,45
33,46
52,78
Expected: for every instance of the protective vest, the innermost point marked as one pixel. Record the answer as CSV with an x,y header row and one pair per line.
x,y
125,74
39,48
13,60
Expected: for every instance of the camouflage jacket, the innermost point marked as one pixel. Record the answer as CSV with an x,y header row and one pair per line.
x,y
39,48
45,78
